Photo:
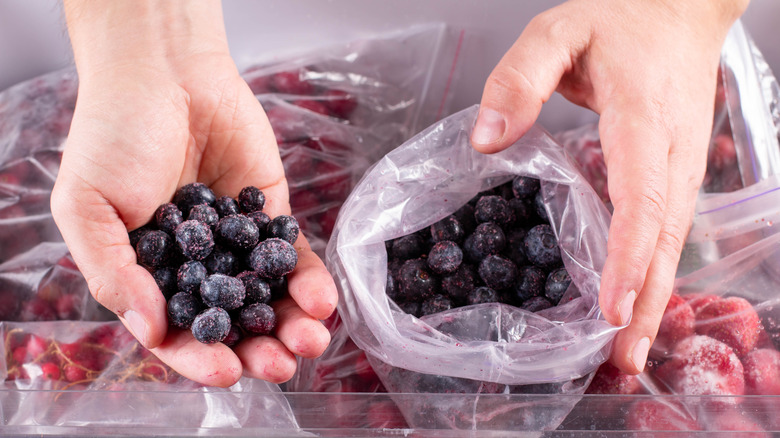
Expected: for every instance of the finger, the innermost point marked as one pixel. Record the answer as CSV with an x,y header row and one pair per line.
x,y
266,358
99,243
209,364
632,343
526,77
310,284
302,334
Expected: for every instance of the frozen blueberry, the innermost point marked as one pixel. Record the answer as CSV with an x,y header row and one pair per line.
x,y
155,249
193,194
445,257
390,288
138,233
416,282
284,227
488,238
497,272
234,336
493,209
225,206
204,213
273,258
465,215
541,247
168,217
278,287
505,191
219,290
211,326
221,261
536,304
251,199
257,318
166,280
557,282
515,246
182,309
194,239
458,284
523,213
448,228
261,220
525,187
190,275
482,295
408,247
238,232
530,283
257,289
411,307
541,211
435,304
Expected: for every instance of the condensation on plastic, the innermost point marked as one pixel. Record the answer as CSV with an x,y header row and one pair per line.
x,y
423,181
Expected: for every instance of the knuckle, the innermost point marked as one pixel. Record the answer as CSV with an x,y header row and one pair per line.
x,y
652,203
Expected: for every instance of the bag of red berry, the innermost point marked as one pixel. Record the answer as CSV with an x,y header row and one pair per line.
x,y
484,268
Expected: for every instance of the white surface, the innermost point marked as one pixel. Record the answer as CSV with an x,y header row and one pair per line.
x,y
33,39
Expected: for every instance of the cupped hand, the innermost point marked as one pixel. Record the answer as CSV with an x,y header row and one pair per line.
x,y
649,69
141,130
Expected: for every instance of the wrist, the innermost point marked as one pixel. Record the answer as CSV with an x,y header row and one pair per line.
x,y
143,33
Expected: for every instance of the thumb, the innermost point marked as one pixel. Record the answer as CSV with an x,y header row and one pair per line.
x,y
525,78
100,246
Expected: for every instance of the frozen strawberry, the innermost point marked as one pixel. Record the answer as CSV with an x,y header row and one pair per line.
x,y
762,372
730,320
699,300
731,418
701,365
676,325
610,380
658,415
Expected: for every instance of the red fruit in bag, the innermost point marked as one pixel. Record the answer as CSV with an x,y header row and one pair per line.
x,y
733,419
291,82
762,372
610,380
340,103
658,415
313,106
701,365
730,320
676,324
50,371
697,301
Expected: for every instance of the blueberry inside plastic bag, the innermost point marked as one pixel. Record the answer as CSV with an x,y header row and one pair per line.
x,y
430,177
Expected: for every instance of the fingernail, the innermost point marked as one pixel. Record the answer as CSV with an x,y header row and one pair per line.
x,y
639,354
489,128
626,307
137,325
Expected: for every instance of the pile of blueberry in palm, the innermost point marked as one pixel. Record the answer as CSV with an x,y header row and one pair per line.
x,y
219,267
499,247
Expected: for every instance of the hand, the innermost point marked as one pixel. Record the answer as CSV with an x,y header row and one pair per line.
x,y
649,69
159,107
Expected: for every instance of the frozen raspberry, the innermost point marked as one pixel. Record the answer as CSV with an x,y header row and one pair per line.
x,y
536,304
558,280
183,307
408,247
251,199
676,324
155,249
416,282
497,272
194,239
204,213
190,275
658,415
482,295
193,194
731,320
211,326
284,227
166,281
525,187
541,247
273,258
219,290
168,217
257,318
762,372
445,257
701,365
699,300
530,283
435,304
257,289
610,380
221,261
458,284
226,206
488,238
291,82
238,232
340,103
448,228
493,209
